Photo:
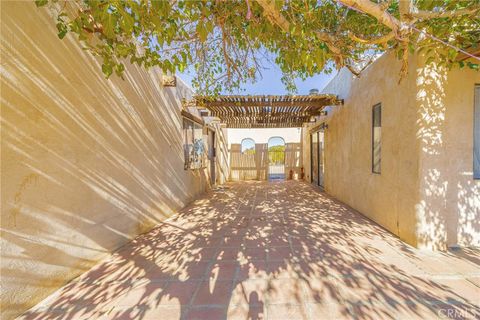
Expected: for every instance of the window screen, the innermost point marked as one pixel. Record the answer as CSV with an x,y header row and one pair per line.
x,y
376,138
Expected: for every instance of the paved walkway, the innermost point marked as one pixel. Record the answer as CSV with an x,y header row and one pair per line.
x,y
277,250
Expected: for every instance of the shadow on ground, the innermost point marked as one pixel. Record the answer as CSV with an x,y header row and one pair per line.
x,y
261,250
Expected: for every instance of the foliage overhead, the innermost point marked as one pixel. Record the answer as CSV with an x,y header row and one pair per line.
x,y
230,42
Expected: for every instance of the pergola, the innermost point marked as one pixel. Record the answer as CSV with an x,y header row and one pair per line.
x,y
266,111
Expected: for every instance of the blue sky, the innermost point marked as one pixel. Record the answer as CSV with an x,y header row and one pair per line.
x,y
276,141
271,83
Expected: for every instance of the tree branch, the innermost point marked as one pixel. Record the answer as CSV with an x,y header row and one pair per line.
x,y
406,8
276,17
379,40
375,10
356,72
273,15
422,14
385,4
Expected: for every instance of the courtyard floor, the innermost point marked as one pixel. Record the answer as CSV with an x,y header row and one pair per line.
x,y
279,250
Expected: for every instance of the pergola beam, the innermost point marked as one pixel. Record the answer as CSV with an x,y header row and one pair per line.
x,y
289,104
263,111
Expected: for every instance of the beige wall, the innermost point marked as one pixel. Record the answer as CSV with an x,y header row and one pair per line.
x,y
86,163
448,208
221,160
262,135
425,193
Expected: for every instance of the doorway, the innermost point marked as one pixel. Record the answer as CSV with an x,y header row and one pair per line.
x,y
276,158
317,146
212,156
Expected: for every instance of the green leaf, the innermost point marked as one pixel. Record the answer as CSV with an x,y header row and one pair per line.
x,y
62,29
107,70
119,68
62,34
474,66
40,3
109,22
202,31
174,35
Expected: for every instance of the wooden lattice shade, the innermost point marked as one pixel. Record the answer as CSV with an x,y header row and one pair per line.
x,y
266,111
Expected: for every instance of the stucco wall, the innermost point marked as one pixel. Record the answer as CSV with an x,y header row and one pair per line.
x,y
448,209
425,193
221,159
262,135
387,198
86,163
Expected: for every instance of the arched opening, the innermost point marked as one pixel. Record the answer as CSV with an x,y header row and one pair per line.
x,y
248,146
276,158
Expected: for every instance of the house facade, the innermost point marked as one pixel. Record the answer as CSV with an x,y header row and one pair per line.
x,y
402,152
88,164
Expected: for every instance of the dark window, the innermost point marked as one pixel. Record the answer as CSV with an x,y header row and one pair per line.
x,y
376,138
314,157
476,134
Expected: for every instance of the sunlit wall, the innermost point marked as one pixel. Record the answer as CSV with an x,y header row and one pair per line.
x,y
425,192
87,163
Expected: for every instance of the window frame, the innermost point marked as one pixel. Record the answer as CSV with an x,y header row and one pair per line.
x,y
374,169
191,129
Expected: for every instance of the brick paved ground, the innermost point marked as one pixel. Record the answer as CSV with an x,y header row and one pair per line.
x,y
281,250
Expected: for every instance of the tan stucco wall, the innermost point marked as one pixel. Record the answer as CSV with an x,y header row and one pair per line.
x,y
426,186
221,160
448,209
86,163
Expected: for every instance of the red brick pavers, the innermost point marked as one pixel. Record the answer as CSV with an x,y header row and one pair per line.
x,y
283,250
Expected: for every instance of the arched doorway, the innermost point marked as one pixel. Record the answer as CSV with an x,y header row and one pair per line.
x,y
248,146
244,162
276,158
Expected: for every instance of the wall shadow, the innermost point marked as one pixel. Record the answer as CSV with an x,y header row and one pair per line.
x,y
257,250
447,211
87,163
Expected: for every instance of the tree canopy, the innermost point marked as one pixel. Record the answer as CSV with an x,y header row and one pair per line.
x,y
230,42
